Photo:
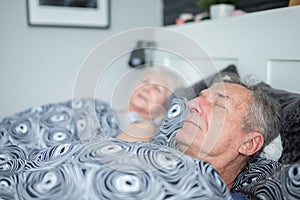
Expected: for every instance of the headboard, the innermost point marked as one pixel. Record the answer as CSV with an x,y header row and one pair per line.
x,y
265,44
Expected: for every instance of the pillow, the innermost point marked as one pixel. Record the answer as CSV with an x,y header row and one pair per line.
x,y
192,91
273,151
290,130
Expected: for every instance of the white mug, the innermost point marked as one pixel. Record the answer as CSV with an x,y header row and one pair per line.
x,y
218,11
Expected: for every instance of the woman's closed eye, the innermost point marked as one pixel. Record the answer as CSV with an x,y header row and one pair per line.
x,y
159,88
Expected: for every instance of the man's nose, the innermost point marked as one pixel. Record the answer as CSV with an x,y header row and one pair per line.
x,y
194,106
199,104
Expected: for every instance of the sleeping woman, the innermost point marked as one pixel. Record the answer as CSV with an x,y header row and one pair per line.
x,y
146,106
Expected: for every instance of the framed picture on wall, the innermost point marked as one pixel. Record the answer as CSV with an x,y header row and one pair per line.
x,y
69,13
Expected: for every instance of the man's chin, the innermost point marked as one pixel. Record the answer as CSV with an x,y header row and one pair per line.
x,y
187,151
185,136
183,147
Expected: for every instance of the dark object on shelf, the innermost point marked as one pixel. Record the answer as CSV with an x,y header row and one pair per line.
x,y
142,54
259,5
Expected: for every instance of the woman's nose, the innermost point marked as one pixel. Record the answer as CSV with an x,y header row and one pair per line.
x,y
147,87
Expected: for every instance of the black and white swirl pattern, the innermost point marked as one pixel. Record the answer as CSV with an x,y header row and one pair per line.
x,y
59,135
274,181
3,135
158,157
57,173
266,189
8,184
41,157
13,166
11,152
90,116
23,131
173,121
116,184
212,178
104,151
57,116
53,124
55,155
107,119
7,196
57,182
292,182
257,170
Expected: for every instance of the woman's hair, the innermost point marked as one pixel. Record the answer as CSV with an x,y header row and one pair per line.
x,y
263,113
173,78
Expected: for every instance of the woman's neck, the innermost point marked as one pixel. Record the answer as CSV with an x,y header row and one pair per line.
x,y
143,114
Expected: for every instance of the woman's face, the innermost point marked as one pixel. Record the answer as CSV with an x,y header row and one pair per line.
x,y
149,96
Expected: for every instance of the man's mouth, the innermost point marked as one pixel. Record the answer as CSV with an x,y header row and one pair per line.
x,y
193,123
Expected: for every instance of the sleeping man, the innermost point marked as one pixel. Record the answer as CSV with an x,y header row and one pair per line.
x,y
227,125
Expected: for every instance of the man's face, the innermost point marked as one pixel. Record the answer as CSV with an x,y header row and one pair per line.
x,y
213,127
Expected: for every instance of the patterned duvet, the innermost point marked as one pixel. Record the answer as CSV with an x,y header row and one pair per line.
x,y
68,151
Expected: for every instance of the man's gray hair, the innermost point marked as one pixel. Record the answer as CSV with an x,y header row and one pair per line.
x,y
263,113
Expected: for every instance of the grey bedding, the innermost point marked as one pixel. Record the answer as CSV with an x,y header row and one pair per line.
x,y
43,157
60,151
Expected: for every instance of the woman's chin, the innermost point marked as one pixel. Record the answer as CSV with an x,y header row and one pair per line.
x,y
138,105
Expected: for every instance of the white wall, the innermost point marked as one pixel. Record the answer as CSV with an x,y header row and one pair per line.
x,y
38,65
265,44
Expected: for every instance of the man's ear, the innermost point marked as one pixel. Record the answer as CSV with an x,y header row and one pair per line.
x,y
253,144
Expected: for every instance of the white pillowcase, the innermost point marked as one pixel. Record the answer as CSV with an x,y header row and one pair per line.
x,y
273,151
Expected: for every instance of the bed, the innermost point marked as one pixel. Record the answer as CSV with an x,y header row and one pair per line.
x,y
42,157
60,151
